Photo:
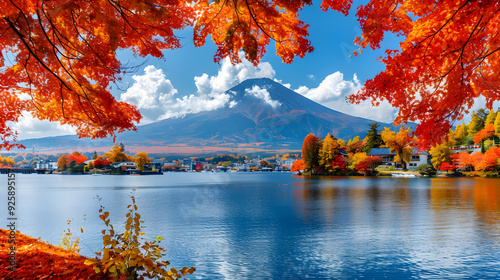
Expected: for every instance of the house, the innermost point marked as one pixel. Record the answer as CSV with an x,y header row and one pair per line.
x,y
417,157
125,164
288,162
241,166
49,165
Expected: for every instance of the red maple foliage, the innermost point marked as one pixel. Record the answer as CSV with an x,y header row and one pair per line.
x,y
36,259
77,157
338,162
100,162
449,57
446,166
368,165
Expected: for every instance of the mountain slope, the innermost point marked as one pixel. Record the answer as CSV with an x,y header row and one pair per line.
x,y
264,115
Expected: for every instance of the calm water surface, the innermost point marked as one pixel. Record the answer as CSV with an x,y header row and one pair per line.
x,y
277,226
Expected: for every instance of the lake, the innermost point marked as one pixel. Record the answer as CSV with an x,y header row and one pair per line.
x,y
279,226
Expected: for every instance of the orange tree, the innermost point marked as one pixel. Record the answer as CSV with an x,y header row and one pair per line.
x,y
310,153
62,55
297,166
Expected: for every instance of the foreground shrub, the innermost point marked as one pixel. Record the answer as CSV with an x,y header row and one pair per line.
x,y
128,255
426,170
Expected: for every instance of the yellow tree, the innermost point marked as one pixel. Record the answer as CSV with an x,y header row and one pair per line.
x,y
490,119
328,152
474,125
341,143
117,154
357,158
440,153
460,133
400,144
497,124
141,159
6,161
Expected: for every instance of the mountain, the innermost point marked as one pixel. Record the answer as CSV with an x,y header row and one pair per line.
x,y
264,115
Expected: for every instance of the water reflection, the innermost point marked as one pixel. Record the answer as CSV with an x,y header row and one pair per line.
x,y
440,226
275,226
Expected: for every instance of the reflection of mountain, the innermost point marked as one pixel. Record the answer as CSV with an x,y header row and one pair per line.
x,y
270,116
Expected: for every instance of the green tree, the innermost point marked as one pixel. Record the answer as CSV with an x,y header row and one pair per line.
x,y
474,125
482,115
328,152
373,138
426,170
95,156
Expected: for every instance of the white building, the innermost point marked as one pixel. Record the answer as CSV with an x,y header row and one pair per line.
x,y
288,162
126,164
48,165
417,158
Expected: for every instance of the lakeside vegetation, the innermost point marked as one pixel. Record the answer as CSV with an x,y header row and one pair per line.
x,y
471,149
125,255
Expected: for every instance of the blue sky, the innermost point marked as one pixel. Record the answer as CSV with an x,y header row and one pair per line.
x,y
331,33
188,80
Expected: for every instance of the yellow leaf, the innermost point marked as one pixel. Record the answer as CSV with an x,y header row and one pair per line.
x,y
112,269
106,240
105,256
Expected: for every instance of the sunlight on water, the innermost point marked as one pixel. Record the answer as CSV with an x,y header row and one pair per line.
x,y
279,226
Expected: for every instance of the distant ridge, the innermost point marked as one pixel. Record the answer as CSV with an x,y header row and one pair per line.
x,y
276,121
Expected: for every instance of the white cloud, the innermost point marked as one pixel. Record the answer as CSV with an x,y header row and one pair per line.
x,y
289,86
151,93
311,76
231,75
29,127
156,98
232,104
263,94
332,92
